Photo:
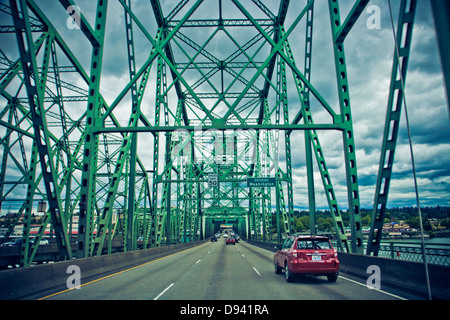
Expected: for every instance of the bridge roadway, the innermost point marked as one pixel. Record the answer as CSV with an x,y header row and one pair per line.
x,y
215,271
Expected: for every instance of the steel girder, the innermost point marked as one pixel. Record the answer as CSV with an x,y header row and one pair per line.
x,y
66,140
441,15
35,86
218,103
402,52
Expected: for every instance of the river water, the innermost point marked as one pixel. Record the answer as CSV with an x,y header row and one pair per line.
x,y
440,242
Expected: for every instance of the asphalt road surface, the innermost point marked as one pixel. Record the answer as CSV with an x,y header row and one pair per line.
x,y
215,271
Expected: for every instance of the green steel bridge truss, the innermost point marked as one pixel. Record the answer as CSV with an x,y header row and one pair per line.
x,y
208,94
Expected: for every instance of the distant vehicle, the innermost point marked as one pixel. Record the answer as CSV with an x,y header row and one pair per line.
x,y
140,242
230,240
43,242
225,235
304,255
214,239
14,243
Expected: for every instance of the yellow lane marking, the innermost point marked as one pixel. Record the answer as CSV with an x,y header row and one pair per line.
x,y
111,275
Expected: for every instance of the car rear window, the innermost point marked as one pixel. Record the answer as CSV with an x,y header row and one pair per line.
x,y
313,244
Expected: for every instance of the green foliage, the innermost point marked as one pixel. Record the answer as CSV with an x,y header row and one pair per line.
x,y
409,215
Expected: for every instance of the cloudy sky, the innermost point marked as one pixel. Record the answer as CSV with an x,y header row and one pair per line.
x,y
369,60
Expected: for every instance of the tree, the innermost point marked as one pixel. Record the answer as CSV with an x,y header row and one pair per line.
x,y
305,221
415,223
366,220
299,226
445,223
325,224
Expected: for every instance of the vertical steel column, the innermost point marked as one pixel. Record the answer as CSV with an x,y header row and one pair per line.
x,y
35,92
25,257
308,134
6,150
93,121
158,103
167,185
135,113
441,13
348,136
393,115
287,138
24,261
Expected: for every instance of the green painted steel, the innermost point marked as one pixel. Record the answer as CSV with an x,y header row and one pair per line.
x,y
208,95
393,116
348,133
35,87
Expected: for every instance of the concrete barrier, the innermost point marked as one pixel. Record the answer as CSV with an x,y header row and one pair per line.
x,y
265,245
407,275
40,279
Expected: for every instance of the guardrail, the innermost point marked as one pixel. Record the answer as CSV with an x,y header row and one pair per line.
x,y
437,253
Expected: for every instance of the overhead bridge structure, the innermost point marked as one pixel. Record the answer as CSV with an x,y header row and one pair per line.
x,y
161,122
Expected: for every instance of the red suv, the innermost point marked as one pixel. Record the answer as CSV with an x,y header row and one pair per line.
x,y
230,240
307,255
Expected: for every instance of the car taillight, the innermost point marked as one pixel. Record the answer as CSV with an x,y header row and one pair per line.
x,y
297,254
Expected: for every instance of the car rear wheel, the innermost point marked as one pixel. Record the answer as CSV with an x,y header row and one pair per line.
x,y
277,267
332,277
287,275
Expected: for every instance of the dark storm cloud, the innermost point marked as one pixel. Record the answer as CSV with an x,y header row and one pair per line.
x,y
369,60
369,55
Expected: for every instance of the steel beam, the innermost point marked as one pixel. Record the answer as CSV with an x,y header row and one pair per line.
x,y
348,133
223,111
441,14
393,115
90,159
35,93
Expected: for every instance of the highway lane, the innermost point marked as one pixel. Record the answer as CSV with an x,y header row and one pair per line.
x,y
215,271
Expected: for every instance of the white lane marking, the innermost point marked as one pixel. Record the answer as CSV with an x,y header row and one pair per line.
x,y
243,256
259,274
379,290
165,290
198,261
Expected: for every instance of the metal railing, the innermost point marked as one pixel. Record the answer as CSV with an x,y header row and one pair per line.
x,y
436,253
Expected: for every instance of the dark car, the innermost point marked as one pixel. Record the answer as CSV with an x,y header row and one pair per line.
x,y
13,243
214,239
312,255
